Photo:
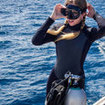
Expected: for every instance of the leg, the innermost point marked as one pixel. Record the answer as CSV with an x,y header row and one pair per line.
x,y
51,78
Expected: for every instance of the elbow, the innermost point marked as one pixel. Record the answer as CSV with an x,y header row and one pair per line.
x,y
36,42
102,23
103,29
33,42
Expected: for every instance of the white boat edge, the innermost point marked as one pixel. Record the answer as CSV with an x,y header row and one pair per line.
x,y
100,101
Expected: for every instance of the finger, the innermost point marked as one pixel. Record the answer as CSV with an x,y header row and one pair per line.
x,y
87,14
89,6
63,6
59,5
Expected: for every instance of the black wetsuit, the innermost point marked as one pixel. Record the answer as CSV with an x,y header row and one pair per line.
x,y
70,53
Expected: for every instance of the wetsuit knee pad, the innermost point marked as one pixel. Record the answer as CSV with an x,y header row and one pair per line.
x,y
75,96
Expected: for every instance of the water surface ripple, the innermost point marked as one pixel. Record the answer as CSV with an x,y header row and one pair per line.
x,y
24,68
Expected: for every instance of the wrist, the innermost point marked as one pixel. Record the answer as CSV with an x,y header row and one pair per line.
x,y
52,17
94,16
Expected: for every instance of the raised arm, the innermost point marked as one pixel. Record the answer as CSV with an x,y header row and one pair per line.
x,y
99,32
41,35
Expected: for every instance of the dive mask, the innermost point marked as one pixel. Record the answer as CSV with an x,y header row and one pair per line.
x,y
71,11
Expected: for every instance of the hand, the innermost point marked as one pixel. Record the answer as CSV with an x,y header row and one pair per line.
x,y
91,11
56,14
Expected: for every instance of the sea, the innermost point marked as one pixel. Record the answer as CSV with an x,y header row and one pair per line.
x,y
25,68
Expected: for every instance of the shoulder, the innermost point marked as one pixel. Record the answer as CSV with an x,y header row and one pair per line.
x,y
87,30
56,26
91,33
90,30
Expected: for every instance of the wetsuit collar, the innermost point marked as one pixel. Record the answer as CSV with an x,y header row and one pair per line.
x,y
76,27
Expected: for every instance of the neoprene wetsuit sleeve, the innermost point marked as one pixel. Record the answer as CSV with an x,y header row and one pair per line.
x,y
97,33
41,35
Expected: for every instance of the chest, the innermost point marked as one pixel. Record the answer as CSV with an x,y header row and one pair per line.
x,y
75,45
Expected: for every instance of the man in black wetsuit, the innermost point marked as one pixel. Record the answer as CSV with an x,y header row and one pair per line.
x,y
73,39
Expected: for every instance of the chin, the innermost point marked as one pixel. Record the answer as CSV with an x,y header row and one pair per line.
x,y
71,24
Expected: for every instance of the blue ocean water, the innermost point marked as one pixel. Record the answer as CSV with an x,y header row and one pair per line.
x,y
24,68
